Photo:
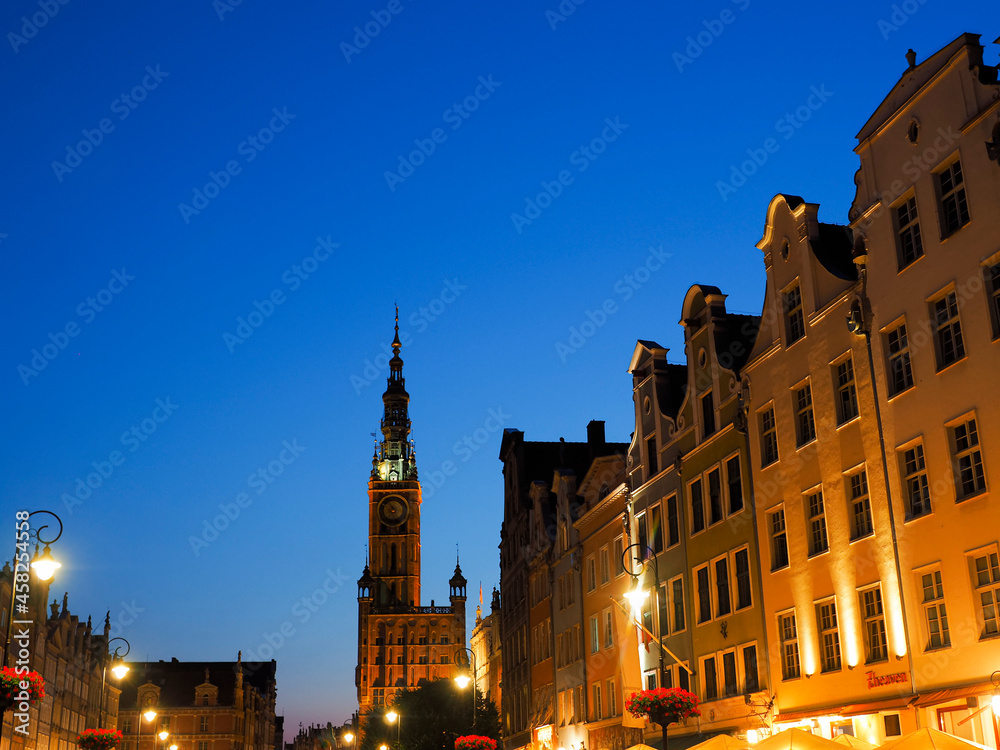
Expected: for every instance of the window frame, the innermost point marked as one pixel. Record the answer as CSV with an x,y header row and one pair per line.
x,y
805,414
773,534
832,630
948,331
911,229
816,515
957,190
973,451
871,653
896,342
848,387
913,474
767,424
852,503
788,645
793,314
934,607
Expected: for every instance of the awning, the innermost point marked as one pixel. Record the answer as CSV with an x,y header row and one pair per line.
x,y
809,713
678,742
871,707
952,694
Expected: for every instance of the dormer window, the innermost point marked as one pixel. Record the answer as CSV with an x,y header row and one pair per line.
x,y
795,327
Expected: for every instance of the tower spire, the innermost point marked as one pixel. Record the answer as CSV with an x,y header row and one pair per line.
x,y
395,461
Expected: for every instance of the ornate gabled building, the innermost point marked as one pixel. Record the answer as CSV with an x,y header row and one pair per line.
x,y
70,656
213,705
400,642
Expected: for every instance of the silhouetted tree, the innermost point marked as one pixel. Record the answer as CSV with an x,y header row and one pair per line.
x,y
431,716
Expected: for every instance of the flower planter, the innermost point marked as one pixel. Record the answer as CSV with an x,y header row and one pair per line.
x,y
16,688
663,706
99,739
475,742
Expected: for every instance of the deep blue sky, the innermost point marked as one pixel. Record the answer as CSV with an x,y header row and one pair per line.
x,y
446,226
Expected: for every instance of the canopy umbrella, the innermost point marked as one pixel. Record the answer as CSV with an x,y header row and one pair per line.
x,y
721,742
799,739
931,739
640,746
853,742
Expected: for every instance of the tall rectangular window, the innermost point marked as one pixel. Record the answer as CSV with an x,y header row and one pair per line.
x,y
595,635
673,522
954,206
677,600
651,456
711,679
988,593
876,648
612,696
900,371
663,613
817,523
598,707
716,513
789,636
723,601
993,290
750,677
697,507
908,244
768,437
591,573
794,319
202,723
948,342
741,561
656,529
861,506
729,680
616,559
704,594
609,634
829,636
805,423
915,491
938,635
847,394
708,414
779,542
967,458
734,482
642,536
605,566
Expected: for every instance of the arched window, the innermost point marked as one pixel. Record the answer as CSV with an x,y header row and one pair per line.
x,y
402,557
392,566
385,558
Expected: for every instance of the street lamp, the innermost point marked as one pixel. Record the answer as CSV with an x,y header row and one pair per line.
x,y
43,566
463,680
638,595
119,669
148,716
393,718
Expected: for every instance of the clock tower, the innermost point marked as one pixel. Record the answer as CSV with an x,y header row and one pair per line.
x,y
400,642
394,498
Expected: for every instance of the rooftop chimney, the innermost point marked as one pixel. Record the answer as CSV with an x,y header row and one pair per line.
x,y
595,432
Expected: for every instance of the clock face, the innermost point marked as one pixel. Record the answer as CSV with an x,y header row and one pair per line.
x,y
393,510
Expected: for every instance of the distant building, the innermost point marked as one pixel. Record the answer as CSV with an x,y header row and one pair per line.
x,y
70,657
544,695
485,644
214,705
400,642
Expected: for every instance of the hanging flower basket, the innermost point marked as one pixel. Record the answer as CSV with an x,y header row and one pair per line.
x,y
17,688
475,742
99,739
663,705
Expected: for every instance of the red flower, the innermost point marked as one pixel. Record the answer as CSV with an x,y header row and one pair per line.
x,y
11,687
99,739
671,704
475,742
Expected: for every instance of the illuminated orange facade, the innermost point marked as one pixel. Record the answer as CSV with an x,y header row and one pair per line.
x,y
875,425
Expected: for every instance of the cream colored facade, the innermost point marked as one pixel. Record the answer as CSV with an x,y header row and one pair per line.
x,y
884,592
926,148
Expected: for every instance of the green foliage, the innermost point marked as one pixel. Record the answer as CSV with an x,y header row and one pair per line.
x,y
430,718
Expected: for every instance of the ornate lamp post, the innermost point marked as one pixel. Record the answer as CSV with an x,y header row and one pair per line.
x,y
463,680
44,566
635,567
393,718
148,716
119,670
